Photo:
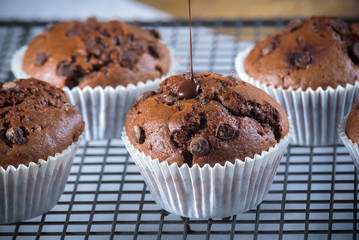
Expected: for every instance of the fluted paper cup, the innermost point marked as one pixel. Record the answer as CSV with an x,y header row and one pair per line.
x,y
315,114
29,191
352,147
103,109
206,192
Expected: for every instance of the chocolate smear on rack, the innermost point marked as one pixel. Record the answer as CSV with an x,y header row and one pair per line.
x,y
189,88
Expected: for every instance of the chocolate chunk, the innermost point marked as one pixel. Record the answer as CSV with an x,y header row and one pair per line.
x,y
40,58
301,60
65,68
338,25
153,50
146,95
356,50
268,49
188,89
8,85
155,33
225,131
127,60
199,146
294,25
15,135
139,134
71,32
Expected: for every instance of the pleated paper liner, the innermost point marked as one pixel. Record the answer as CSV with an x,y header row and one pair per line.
x,y
30,191
206,192
352,147
315,114
103,109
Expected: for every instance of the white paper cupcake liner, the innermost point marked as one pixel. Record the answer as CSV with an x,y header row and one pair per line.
x,y
206,192
29,191
315,114
103,109
352,147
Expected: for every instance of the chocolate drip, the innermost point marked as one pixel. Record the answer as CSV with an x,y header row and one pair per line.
x,y
189,88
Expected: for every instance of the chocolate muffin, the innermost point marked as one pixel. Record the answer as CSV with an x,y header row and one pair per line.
x,y
228,119
321,52
36,121
93,53
352,127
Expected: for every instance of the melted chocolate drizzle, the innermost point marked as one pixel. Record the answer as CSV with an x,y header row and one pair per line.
x,y
189,88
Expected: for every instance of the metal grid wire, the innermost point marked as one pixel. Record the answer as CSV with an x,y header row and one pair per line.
x,y
314,194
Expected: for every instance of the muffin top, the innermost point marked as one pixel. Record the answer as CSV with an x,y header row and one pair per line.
x,y
352,127
228,119
93,53
36,121
321,52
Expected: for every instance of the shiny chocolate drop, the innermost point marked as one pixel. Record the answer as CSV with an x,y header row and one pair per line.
x,y
189,88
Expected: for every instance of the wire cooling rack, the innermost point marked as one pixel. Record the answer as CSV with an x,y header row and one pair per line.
x,y
314,194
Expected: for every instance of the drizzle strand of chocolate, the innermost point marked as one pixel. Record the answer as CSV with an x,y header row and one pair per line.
x,y
189,88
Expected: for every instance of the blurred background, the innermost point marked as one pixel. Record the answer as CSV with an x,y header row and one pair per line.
x,y
150,10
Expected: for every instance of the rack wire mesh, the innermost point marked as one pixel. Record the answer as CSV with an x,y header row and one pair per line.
x,y
314,194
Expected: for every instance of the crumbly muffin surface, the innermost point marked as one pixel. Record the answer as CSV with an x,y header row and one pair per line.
x,y
352,127
36,121
321,52
227,120
93,53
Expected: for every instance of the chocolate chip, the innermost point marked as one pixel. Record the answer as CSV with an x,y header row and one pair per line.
x,y
139,134
8,85
199,146
15,135
155,33
225,131
294,25
127,60
268,49
65,68
301,60
357,105
40,58
338,25
146,95
356,50
71,32
153,50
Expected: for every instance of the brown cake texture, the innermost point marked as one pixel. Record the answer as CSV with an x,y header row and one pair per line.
x,y
321,52
36,121
227,120
352,127
93,53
